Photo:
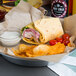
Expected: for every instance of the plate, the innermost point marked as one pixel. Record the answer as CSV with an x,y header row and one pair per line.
x,y
25,61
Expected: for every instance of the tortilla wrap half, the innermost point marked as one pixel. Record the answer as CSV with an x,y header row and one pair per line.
x,y
42,31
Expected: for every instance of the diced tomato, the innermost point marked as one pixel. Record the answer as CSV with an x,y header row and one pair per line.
x,y
66,41
52,42
66,36
59,40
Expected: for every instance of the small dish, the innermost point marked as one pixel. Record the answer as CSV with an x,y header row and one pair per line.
x,y
10,36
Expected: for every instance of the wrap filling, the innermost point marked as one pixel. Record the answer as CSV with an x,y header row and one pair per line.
x,y
32,34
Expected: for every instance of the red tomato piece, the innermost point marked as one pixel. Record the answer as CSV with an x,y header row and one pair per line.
x,y
66,36
66,41
59,40
52,42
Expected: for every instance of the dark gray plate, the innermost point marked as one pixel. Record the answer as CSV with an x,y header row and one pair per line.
x,y
25,61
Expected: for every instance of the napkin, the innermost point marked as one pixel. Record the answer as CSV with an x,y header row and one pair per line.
x,y
22,15
63,67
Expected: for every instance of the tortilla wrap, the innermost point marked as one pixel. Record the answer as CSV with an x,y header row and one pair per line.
x,y
49,29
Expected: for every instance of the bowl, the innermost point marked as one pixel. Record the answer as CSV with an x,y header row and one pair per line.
x,y
10,37
25,61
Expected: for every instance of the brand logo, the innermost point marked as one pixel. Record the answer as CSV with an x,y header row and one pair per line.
x,y
59,8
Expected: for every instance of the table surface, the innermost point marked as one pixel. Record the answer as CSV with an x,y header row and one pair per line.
x,y
10,69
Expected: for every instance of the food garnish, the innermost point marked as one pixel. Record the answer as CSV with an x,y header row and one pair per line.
x,y
52,42
65,39
66,42
66,36
59,40
24,29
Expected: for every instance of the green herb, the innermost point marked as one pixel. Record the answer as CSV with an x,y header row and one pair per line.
x,y
24,29
17,1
